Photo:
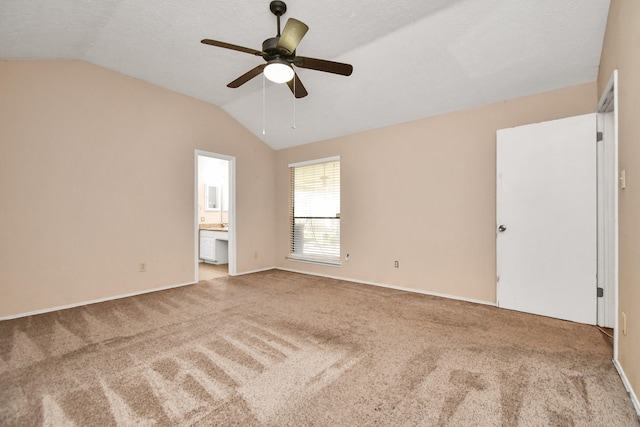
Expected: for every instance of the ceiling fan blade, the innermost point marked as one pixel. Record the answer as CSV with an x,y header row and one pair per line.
x,y
247,76
323,65
232,47
293,32
299,91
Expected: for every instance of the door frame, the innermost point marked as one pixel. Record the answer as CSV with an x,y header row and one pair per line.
x,y
232,210
607,205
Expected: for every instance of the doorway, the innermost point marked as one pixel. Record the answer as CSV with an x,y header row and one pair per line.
x,y
215,216
607,187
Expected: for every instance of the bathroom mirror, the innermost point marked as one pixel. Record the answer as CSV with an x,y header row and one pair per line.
x,y
211,198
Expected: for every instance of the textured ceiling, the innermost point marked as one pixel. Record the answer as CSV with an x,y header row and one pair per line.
x,y
412,58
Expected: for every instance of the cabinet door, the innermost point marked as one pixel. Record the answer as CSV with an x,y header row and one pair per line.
x,y
207,248
222,251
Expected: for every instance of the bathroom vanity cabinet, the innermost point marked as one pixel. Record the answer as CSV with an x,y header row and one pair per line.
x,y
214,246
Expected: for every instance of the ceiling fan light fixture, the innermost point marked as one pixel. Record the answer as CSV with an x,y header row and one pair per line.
x,y
278,71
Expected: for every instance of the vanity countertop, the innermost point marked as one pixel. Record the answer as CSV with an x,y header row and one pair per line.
x,y
213,227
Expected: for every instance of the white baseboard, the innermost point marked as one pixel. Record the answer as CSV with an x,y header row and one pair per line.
x,y
78,304
399,288
111,298
627,385
253,271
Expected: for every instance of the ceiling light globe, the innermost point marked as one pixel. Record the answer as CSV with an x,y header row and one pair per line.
x,y
278,72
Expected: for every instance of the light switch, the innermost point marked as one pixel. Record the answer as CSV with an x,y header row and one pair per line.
x,y
623,179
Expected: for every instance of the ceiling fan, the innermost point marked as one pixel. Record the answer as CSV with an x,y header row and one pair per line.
x,y
279,52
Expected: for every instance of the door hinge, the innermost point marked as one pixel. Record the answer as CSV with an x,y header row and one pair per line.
x,y
599,136
600,292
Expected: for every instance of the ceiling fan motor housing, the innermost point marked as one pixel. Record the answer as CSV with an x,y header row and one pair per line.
x,y
271,49
270,46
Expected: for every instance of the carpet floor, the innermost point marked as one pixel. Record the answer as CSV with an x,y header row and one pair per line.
x,y
284,349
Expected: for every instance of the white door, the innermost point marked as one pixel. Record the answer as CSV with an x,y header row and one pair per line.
x,y
546,218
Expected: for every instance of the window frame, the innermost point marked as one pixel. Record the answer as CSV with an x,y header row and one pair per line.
x,y
334,261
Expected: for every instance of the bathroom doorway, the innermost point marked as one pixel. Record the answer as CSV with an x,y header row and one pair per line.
x,y
214,236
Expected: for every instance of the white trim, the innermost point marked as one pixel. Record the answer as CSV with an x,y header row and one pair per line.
x,y
94,301
115,297
627,386
611,259
612,86
317,261
232,217
196,222
260,270
313,162
399,288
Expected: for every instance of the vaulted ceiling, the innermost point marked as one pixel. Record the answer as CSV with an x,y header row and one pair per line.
x,y
412,58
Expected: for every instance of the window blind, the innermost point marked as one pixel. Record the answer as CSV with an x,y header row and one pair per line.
x,y
314,203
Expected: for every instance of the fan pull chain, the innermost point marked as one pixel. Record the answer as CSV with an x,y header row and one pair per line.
x,y
294,102
264,109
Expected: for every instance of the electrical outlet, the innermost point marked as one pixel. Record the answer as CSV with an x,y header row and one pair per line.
x,y
142,267
397,264
201,219
624,323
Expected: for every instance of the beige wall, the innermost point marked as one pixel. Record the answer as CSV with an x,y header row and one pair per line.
x,y
423,193
621,50
97,175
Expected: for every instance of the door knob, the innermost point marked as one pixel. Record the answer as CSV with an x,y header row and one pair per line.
x,y
502,228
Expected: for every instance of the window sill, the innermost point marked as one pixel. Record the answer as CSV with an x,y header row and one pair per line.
x,y
330,263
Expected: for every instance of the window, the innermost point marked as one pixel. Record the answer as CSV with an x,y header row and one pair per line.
x,y
314,203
